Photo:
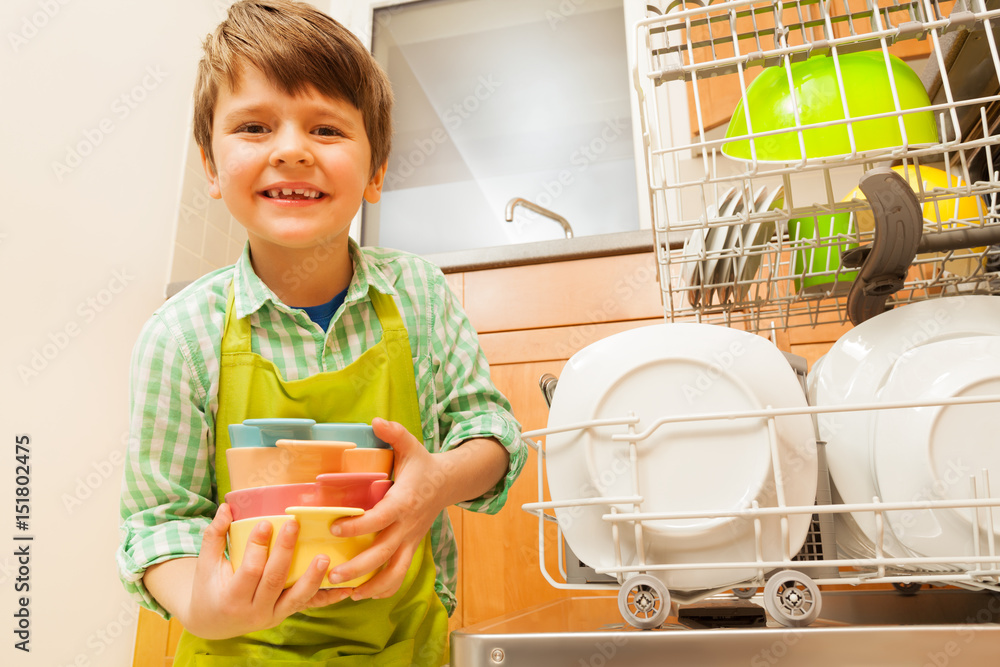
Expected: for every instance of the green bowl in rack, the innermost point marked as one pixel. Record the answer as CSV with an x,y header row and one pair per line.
x,y
867,92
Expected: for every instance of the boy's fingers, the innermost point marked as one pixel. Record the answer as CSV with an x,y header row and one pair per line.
x,y
213,543
394,433
327,596
366,561
279,562
385,583
247,576
297,598
371,521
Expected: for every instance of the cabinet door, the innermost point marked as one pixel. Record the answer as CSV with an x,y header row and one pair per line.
x,y
500,552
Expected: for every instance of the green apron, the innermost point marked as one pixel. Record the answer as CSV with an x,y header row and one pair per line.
x,y
409,628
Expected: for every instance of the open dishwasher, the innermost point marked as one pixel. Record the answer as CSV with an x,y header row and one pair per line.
x,y
775,224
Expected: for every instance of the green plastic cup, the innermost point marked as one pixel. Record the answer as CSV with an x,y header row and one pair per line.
x,y
816,266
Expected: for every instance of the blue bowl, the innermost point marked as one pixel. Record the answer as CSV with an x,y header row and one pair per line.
x,y
266,432
360,434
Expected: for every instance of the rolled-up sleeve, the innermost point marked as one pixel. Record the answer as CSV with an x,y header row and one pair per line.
x,y
166,500
470,406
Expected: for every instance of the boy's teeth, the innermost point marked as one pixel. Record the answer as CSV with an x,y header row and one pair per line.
x,y
278,193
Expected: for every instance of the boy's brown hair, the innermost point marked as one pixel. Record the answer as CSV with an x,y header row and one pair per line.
x,y
295,46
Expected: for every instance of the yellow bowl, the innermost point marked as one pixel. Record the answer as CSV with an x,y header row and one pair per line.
x,y
314,539
964,209
289,462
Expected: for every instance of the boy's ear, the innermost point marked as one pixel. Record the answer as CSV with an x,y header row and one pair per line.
x,y
214,190
373,191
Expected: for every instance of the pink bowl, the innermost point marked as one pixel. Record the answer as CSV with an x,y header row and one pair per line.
x,y
358,490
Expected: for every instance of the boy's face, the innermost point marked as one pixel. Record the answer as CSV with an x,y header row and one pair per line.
x,y
292,170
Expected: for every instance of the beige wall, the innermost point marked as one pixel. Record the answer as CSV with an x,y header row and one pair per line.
x,y
96,106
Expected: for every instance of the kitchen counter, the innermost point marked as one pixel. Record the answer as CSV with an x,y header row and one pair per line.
x,y
598,245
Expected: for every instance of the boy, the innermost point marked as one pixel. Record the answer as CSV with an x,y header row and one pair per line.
x,y
292,115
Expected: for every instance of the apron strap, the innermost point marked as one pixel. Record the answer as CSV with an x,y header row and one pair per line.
x,y
236,330
385,308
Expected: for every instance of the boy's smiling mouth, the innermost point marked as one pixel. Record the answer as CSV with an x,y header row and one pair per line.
x,y
283,192
292,193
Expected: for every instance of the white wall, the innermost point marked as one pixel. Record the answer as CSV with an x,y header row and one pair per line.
x,y
84,258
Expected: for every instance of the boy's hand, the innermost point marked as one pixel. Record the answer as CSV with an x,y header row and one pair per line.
x,y
418,494
226,604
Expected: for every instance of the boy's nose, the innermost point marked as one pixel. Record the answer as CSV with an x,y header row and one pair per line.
x,y
291,148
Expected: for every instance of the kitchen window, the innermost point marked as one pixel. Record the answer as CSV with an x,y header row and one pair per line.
x,y
501,99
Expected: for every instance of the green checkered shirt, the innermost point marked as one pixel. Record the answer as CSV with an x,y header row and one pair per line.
x,y
168,490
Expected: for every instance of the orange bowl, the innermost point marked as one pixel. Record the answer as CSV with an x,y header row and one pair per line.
x,y
290,462
368,460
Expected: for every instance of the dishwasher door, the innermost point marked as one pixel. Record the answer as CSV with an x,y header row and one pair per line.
x,y
942,627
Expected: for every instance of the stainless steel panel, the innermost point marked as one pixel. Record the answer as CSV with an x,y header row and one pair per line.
x,y
938,628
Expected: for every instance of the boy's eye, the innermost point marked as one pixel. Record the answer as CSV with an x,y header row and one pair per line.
x,y
252,128
327,131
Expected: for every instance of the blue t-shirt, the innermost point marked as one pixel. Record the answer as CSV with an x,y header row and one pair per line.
x,y
323,313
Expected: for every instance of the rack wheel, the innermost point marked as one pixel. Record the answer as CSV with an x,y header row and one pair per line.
x,y
907,587
745,593
792,599
644,601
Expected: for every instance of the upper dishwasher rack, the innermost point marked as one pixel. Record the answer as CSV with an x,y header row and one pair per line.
x,y
744,264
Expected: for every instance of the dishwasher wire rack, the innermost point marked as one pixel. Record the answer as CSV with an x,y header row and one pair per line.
x,y
752,261
791,596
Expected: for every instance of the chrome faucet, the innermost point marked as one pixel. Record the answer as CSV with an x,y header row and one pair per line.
x,y
516,201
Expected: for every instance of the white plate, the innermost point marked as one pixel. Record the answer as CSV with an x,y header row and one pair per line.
x,y
856,367
679,369
931,453
726,270
716,239
755,235
694,246
693,268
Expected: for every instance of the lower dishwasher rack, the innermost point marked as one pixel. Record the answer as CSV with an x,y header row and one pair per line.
x,y
941,627
794,592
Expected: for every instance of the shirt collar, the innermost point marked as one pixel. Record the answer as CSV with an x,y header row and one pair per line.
x,y
252,293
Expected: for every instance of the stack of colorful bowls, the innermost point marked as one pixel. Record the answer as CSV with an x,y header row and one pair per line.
x,y
285,469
